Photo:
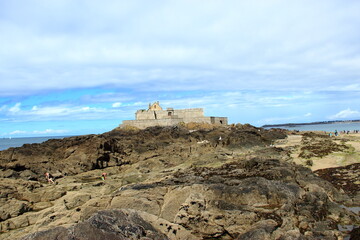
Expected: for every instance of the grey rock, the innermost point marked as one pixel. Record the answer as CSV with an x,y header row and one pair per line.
x,y
107,224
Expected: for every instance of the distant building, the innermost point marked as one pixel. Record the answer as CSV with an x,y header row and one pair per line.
x,y
156,116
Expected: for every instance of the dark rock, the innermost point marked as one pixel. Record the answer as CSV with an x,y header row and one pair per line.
x,y
355,234
73,155
345,178
108,224
58,233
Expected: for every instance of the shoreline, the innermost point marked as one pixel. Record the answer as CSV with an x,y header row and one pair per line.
x,y
306,124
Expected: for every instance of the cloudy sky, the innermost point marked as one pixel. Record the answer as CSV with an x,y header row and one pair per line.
x,y
71,67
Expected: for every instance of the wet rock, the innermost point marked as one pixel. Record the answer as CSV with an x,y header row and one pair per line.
x,y
355,234
109,224
319,145
345,178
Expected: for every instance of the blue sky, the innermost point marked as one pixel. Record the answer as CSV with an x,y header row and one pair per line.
x,y
79,67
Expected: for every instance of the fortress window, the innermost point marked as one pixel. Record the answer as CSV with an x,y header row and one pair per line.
x,y
169,113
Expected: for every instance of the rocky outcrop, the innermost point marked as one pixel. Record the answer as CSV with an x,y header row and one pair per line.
x,y
264,198
345,179
319,145
110,225
74,155
169,183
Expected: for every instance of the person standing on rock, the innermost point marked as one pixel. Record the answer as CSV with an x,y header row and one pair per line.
x,y
49,178
103,176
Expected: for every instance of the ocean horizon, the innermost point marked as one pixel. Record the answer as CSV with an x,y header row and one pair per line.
x,y
326,127
6,143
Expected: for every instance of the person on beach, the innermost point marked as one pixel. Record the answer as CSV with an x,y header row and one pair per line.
x,y
336,133
103,176
49,178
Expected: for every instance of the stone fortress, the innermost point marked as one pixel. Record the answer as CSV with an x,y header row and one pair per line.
x,y
155,115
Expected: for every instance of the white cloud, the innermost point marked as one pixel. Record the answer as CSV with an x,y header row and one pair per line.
x,y
346,114
116,104
61,112
283,46
50,131
17,132
308,114
38,132
16,108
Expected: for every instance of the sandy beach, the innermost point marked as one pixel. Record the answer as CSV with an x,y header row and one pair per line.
x,y
332,157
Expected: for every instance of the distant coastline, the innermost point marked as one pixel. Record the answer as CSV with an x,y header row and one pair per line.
x,y
312,123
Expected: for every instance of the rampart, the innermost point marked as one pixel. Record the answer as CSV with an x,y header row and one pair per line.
x,y
156,116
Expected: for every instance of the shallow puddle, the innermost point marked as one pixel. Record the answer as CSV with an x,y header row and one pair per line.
x,y
354,209
346,229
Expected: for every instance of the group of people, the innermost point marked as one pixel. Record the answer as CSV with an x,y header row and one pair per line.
x,y
336,133
347,132
50,178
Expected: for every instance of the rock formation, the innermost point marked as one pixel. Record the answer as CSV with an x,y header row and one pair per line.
x,y
168,183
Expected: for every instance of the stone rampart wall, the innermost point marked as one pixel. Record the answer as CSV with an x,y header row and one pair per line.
x,y
167,114
150,123
170,122
189,113
169,117
145,114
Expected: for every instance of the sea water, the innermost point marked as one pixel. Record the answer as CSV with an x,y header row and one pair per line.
x,y
330,127
6,143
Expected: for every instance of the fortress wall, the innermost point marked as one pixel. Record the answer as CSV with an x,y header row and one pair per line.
x,y
170,122
144,114
210,120
189,113
164,114
197,119
219,120
147,118
181,113
150,123
150,115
